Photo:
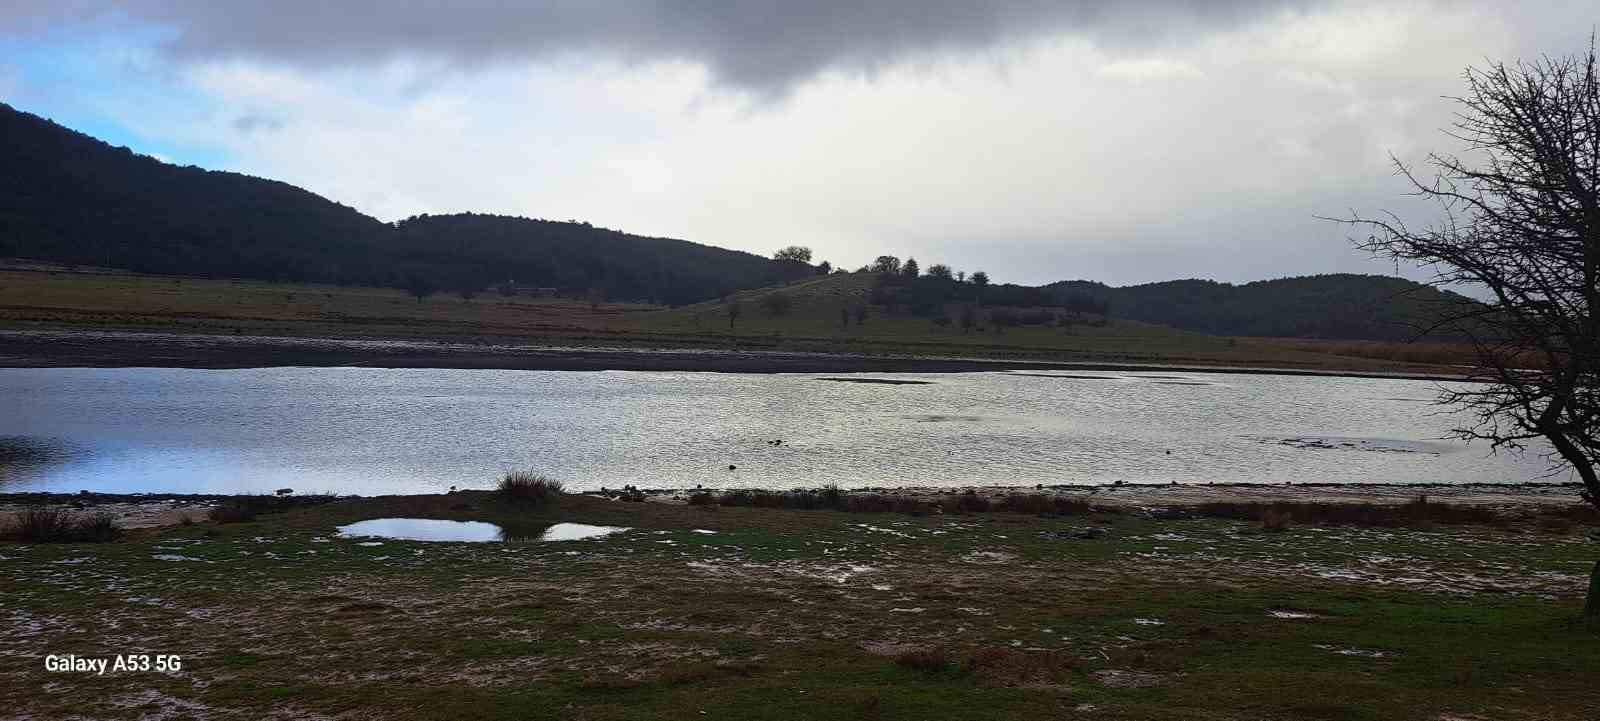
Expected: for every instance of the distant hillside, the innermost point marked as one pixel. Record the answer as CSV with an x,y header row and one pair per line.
x,y
496,248
67,197
1339,305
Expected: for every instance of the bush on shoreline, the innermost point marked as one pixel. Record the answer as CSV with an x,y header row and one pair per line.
x,y
527,488
42,525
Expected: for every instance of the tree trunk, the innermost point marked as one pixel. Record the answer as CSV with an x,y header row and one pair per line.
x,y
1591,608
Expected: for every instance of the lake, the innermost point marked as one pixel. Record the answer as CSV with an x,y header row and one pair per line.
x,y
373,431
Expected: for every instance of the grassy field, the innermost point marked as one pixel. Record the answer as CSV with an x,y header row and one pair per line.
x,y
738,613
116,301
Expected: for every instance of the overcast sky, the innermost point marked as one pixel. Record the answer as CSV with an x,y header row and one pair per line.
x,y
1118,141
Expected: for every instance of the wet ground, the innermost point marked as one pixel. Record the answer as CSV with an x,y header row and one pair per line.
x,y
789,614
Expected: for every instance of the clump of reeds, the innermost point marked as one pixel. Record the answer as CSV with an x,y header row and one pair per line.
x,y
41,525
526,488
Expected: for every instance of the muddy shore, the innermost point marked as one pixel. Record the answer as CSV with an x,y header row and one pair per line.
x,y
120,349
145,510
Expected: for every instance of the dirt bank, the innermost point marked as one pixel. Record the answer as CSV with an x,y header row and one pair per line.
x,y
153,510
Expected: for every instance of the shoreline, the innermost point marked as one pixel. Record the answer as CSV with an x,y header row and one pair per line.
x,y
123,349
147,510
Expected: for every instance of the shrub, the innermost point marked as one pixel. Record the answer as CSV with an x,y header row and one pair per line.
x,y
527,488
40,525
702,498
98,528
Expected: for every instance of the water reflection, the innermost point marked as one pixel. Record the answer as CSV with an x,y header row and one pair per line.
x,y
374,431
22,456
422,529
577,532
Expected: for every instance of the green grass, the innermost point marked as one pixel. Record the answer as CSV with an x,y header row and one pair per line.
x,y
779,614
111,301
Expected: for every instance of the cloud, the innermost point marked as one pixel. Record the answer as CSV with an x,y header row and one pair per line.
x,y
1034,142
765,46
251,122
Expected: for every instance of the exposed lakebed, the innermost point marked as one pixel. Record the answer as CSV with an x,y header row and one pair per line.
x,y
374,431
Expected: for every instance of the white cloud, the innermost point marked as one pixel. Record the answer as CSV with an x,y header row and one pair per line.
x,y
1052,158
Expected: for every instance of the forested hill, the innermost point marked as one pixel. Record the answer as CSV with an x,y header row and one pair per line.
x,y
1320,306
70,198
497,248
65,196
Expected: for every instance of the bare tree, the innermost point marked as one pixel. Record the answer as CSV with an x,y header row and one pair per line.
x,y
1521,224
734,309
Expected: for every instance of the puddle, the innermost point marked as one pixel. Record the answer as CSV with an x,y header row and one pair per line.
x,y
938,418
578,532
429,529
1291,614
880,381
423,529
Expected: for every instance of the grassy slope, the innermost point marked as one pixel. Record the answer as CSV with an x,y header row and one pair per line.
x,y
789,614
121,301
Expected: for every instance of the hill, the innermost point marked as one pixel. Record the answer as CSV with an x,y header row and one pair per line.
x,y
67,197
471,249
1342,305
70,198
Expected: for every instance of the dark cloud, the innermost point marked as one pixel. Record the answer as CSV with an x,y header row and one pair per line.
x,y
762,45
252,123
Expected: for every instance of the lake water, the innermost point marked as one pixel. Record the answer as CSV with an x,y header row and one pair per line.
x,y
373,431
